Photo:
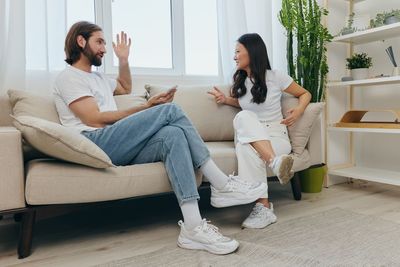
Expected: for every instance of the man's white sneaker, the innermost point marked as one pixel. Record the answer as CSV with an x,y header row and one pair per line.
x,y
282,168
237,192
206,237
260,217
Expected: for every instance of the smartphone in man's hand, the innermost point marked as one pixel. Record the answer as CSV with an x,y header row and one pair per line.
x,y
172,89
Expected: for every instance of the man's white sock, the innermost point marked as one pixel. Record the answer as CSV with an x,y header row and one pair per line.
x,y
217,178
191,214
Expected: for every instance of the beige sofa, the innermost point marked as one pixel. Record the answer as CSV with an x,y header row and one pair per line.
x,y
30,180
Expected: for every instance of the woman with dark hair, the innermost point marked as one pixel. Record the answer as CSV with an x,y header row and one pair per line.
x,y
261,137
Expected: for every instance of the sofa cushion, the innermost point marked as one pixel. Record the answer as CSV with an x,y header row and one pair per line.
x,y
300,131
25,103
212,121
50,181
129,101
224,155
61,142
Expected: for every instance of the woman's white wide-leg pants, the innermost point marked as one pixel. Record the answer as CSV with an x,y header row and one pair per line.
x,y
248,129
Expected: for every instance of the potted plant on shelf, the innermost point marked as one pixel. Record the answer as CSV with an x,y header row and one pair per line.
x,y
385,18
307,62
359,65
349,27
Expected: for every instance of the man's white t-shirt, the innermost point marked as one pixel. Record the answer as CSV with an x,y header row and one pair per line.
x,y
72,84
270,110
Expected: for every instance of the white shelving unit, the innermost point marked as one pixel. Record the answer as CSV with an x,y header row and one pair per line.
x,y
363,130
351,169
369,174
371,35
366,82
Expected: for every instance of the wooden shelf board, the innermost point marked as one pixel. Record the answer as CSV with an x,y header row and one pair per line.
x,y
366,82
363,130
368,125
369,174
371,35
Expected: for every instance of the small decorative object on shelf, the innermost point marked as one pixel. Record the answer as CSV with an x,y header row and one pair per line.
x,y
359,65
385,18
347,78
389,52
353,119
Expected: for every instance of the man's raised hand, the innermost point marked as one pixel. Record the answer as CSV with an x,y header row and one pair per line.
x,y
122,46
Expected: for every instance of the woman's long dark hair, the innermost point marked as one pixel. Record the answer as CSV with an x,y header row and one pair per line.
x,y
259,64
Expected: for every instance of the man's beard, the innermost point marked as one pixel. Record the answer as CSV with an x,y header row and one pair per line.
x,y
93,59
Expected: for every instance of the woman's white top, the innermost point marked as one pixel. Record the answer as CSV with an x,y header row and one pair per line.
x,y
270,110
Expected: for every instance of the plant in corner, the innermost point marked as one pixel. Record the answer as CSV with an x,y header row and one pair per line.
x,y
307,62
359,64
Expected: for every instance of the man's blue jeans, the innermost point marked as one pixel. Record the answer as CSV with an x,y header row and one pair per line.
x,y
161,133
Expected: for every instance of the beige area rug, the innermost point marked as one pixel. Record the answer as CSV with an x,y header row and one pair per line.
x,y
335,237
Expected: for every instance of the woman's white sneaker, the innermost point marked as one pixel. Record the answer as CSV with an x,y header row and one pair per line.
x,y
260,217
206,237
237,192
282,168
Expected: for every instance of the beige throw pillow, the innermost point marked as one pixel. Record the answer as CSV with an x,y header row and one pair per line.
x,y
300,131
61,142
129,101
25,103
37,118
212,121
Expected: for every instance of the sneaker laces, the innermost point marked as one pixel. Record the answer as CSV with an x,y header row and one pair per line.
x,y
257,209
211,230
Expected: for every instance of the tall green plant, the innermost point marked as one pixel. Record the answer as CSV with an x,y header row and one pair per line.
x,y
308,64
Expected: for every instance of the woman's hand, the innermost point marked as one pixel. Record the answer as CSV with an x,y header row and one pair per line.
x,y
219,96
161,98
293,115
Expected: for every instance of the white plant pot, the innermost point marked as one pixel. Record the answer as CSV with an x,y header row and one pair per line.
x,y
360,74
390,20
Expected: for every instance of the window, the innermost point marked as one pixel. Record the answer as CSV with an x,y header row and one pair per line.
x,y
173,37
149,25
46,25
177,37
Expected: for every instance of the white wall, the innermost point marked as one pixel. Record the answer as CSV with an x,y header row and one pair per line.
x,y
372,150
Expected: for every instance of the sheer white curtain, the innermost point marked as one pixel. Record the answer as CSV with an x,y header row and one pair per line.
x,y
32,34
47,22
237,17
12,45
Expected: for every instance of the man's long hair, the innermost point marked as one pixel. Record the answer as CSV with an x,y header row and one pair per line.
x,y
259,64
72,49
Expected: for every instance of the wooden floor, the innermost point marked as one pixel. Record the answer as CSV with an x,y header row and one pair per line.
x,y
97,235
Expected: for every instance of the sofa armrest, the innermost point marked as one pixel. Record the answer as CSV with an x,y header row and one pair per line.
x,y
316,142
11,169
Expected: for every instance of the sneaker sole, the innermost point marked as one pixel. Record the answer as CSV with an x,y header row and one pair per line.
x,y
285,170
189,244
221,202
257,227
